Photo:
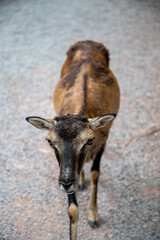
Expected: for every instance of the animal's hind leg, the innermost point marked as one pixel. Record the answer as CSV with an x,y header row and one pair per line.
x,y
93,216
81,181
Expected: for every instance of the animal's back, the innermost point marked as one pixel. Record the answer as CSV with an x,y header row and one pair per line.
x,y
87,86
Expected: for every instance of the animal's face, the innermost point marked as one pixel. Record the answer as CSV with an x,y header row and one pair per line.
x,y
71,138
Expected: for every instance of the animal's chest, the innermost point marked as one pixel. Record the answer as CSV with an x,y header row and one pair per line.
x,y
93,152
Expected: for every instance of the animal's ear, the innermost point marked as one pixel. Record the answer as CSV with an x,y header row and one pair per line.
x,y
41,123
100,122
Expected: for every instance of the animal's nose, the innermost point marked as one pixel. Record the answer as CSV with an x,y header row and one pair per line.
x,y
66,185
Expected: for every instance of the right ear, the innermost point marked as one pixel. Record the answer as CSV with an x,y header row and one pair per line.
x,y
100,122
41,123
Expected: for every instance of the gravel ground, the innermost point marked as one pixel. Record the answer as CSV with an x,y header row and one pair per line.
x,y
34,36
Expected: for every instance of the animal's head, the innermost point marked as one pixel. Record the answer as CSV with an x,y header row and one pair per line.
x,y
71,138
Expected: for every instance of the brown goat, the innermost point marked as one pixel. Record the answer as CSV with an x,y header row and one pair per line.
x,y
86,101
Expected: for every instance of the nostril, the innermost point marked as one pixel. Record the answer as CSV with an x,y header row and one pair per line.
x,y
66,185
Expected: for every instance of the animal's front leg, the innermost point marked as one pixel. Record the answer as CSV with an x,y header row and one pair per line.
x,y
93,216
81,181
73,215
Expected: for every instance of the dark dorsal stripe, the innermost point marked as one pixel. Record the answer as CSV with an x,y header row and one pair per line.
x,y
69,80
84,95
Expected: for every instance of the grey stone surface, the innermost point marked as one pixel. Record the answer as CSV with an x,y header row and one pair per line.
x,y
34,36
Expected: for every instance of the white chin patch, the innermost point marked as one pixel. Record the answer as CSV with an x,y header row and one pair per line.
x,y
62,188
70,190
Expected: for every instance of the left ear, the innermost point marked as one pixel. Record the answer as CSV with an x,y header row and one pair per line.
x,y
41,123
100,122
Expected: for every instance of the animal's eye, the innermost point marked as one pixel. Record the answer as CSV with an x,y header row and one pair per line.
x,y
90,141
55,149
50,143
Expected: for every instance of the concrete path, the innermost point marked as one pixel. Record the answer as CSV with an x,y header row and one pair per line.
x,y
34,36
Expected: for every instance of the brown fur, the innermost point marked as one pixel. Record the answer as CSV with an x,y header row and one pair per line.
x,y
102,94
73,213
87,48
81,180
86,101
94,177
88,88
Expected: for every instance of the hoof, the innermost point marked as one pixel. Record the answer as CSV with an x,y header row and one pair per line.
x,y
81,187
94,224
